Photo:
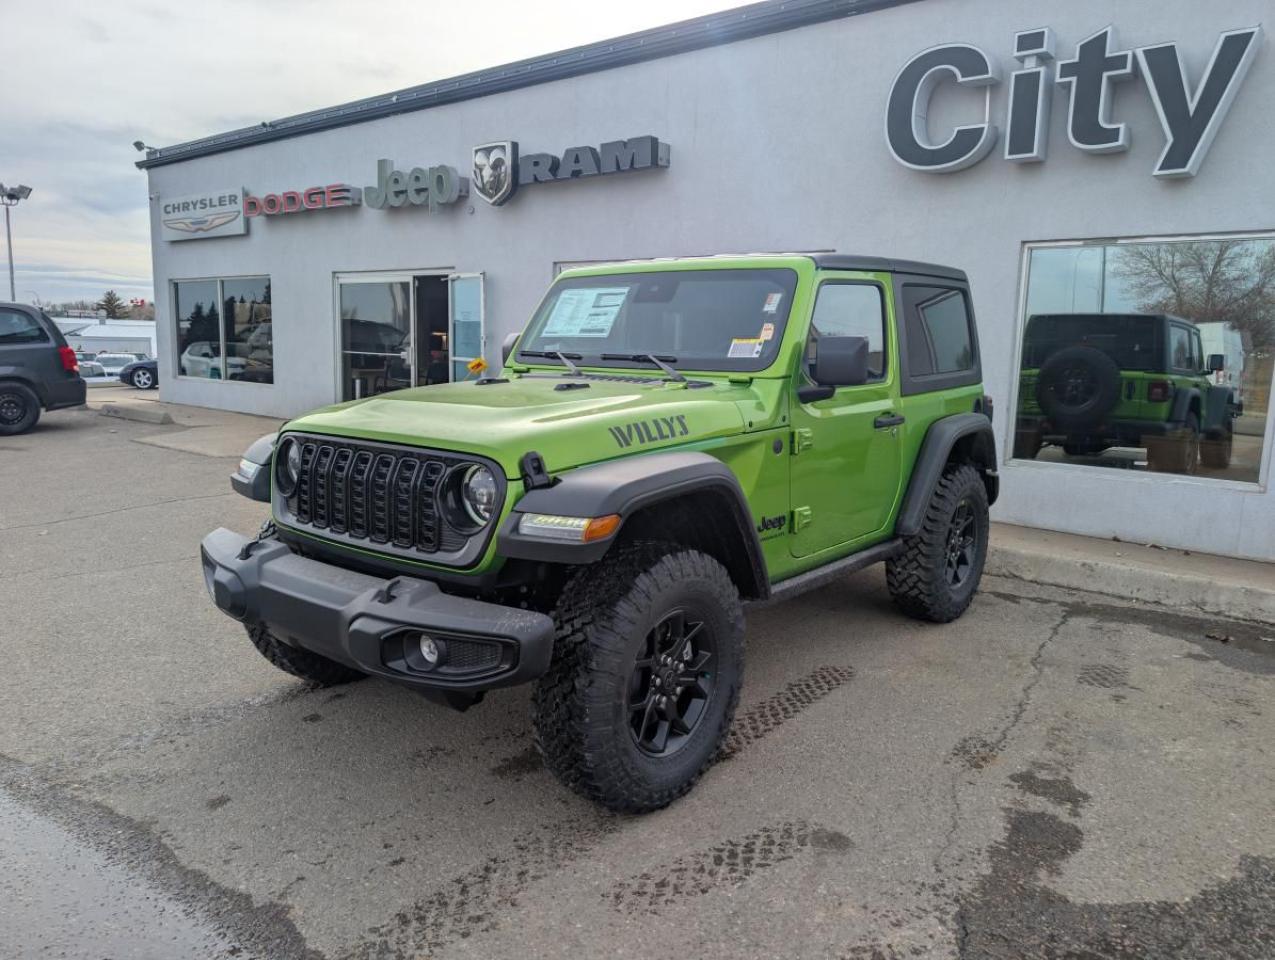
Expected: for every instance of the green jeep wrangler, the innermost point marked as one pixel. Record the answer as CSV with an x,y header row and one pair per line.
x,y
1091,381
667,442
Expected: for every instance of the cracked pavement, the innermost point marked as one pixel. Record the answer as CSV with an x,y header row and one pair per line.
x,y
1054,775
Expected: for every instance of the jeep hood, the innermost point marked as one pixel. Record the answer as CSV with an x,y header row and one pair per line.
x,y
567,424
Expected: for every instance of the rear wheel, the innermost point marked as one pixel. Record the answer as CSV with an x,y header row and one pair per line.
x,y
1179,452
647,666
19,409
936,575
1215,452
143,379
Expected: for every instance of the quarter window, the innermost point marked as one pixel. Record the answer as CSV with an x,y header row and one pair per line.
x,y
850,310
18,326
938,329
1180,347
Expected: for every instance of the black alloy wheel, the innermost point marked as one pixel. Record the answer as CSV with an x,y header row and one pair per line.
x,y
671,683
962,545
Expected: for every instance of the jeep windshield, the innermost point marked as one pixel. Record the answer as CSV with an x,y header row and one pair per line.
x,y
724,319
1131,340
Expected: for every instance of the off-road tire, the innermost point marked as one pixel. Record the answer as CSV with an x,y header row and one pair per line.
x,y
917,578
314,669
19,409
581,705
1179,452
1215,452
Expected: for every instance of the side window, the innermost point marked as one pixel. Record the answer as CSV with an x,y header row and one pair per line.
x,y
850,310
938,330
1180,348
17,326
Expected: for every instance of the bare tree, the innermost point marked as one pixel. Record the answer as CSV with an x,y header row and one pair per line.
x,y
1231,281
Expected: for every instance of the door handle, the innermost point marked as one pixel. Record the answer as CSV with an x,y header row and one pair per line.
x,y
888,420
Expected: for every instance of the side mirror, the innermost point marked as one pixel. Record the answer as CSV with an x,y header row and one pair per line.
x,y
839,362
507,347
1217,362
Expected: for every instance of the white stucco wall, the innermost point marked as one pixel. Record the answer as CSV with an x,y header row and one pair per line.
x,y
777,144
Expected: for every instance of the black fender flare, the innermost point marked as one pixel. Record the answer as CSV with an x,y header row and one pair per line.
x,y
625,487
971,430
255,483
1182,404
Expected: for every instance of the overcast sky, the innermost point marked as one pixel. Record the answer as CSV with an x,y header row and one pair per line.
x,y
83,80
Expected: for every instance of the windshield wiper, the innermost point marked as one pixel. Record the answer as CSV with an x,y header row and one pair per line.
x,y
566,358
661,362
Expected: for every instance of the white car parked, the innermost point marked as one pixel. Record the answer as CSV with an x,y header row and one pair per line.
x,y
203,359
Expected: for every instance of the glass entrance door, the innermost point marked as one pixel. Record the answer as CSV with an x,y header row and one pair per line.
x,y
376,335
466,335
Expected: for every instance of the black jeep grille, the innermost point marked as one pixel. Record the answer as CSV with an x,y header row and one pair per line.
x,y
379,494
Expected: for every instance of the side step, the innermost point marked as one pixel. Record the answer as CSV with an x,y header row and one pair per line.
x,y
821,576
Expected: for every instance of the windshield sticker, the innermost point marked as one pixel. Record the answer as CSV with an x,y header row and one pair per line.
x,y
745,349
585,312
767,332
772,303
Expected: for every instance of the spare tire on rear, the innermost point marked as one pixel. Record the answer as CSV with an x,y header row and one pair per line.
x,y
1077,387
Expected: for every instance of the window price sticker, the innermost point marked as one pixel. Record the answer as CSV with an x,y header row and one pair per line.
x,y
745,349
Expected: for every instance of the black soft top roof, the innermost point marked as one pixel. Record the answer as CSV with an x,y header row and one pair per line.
x,y
847,261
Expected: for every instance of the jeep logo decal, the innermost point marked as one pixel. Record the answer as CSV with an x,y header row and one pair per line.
x,y
775,523
650,431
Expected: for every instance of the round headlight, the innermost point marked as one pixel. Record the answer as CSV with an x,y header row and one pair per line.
x,y
287,466
478,493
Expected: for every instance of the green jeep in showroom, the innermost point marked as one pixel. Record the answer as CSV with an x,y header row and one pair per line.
x,y
1092,381
667,441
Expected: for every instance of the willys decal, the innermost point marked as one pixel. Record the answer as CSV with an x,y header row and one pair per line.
x,y
650,431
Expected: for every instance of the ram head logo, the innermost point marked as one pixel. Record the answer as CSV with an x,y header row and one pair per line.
x,y
496,171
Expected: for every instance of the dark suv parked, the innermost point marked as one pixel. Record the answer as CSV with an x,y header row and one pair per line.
x,y
37,369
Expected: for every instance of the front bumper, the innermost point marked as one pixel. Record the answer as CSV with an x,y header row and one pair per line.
x,y
373,624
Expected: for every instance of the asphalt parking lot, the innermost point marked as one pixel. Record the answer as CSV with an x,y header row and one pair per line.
x,y
1054,775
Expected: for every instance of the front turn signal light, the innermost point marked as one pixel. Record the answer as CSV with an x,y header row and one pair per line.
x,y
548,526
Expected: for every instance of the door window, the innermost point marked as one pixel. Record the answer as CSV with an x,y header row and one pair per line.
x,y
850,310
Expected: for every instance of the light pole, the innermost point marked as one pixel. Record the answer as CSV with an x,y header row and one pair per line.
x,y
10,196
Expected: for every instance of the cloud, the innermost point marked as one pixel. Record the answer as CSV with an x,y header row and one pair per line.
x,y
80,89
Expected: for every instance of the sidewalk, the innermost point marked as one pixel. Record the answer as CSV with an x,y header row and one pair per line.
x,y
210,433
1198,582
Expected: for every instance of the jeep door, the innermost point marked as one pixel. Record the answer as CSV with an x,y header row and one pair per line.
x,y
845,463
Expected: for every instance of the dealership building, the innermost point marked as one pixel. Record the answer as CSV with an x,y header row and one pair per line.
x,y
1104,182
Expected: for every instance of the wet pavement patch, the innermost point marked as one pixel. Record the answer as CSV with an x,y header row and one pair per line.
x,y
519,765
1103,675
1011,913
1059,790
973,752
216,803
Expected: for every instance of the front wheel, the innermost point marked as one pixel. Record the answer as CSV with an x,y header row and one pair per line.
x,y
935,576
143,379
647,666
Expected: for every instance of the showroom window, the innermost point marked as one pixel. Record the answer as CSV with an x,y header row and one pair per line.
x,y
224,329
1148,355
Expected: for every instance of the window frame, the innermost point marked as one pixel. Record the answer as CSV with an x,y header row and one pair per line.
x,y
886,370
909,383
175,352
1006,436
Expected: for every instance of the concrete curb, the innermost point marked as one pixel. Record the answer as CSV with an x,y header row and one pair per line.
x,y
139,414
1213,588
